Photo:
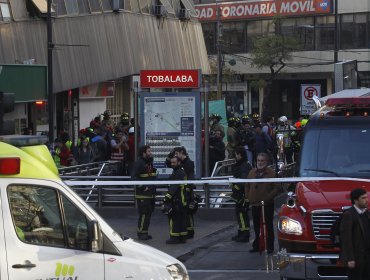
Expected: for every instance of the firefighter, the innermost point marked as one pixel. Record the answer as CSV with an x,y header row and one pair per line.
x,y
188,166
241,171
107,121
143,170
287,130
175,204
247,137
215,125
232,137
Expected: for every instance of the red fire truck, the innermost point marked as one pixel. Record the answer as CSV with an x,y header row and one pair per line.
x,y
336,144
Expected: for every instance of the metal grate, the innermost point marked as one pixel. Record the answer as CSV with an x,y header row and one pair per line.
x,y
322,223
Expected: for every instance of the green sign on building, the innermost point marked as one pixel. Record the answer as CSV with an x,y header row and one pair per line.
x,y
28,82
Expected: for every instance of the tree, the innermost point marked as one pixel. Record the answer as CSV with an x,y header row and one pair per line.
x,y
272,51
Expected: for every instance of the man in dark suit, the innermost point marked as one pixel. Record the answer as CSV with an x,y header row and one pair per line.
x,y
355,236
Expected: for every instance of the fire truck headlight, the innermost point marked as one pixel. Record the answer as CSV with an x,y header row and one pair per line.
x,y
289,226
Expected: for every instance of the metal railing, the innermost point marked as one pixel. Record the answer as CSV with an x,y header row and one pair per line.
x,y
101,188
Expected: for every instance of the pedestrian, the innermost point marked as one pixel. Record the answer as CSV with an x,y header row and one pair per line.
x,y
263,142
241,171
84,153
216,149
119,148
188,166
255,193
143,170
175,204
355,236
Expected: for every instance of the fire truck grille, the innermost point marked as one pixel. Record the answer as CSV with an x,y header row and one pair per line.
x,y
322,223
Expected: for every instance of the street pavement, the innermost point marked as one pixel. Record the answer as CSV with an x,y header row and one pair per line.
x,y
210,254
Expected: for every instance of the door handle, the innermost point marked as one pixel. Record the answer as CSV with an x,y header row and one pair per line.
x,y
27,264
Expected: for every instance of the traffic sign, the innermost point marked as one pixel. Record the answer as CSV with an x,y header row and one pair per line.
x,y
307,103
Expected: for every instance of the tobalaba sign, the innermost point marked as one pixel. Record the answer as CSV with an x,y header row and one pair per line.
x,y
263,9
170,78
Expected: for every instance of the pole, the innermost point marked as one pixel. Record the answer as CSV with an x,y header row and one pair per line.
x,y
50,47
136,117
264,234
336,31
206,129
219,57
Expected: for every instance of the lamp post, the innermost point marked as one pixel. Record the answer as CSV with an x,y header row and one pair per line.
x,y
50,47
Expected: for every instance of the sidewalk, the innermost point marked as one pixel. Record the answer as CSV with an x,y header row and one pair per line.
x,y
210,226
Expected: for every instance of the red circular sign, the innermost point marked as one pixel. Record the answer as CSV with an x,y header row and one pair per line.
x,y
309,92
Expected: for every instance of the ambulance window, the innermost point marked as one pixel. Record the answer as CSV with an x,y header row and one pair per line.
x,y
77,226
36,215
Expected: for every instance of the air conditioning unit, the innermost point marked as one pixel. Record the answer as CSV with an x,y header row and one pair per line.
x,y
184,14
160,11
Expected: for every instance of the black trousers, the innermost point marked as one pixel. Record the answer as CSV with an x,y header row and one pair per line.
x,y
269,220
360,273
242,218
145,208
190,222
177,224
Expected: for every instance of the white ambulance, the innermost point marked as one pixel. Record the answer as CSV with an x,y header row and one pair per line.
x,y
48,233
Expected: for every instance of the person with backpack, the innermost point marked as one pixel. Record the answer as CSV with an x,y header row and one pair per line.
x,y
355,236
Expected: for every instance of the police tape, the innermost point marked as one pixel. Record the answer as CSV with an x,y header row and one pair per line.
x,y
227,181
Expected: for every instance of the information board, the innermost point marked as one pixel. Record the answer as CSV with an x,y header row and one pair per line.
x,y
170,120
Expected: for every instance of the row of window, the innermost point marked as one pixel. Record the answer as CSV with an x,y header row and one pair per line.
x,y
184,8
313,33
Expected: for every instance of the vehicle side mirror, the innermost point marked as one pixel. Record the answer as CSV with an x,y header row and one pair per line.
x,y
96,236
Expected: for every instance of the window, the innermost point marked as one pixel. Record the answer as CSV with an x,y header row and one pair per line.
x,y
324,33
71,6
302,29
4,11
234,37
353,31
209,34
305,35
37,218
257,29
107,5
145,6
95,6
83,6
60,7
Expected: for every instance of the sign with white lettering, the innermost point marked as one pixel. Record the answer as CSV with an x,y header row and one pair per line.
x,y
170,78
262,9
307,103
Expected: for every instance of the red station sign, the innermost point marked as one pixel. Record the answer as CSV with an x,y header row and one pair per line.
x,y
170,79
262,9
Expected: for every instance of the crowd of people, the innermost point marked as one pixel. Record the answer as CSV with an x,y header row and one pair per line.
x,y
256,137
101,141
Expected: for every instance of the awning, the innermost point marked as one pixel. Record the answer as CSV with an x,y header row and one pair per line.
x,y
189,6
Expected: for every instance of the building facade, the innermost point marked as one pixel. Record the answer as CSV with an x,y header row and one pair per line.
x,y
311,22
97,46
